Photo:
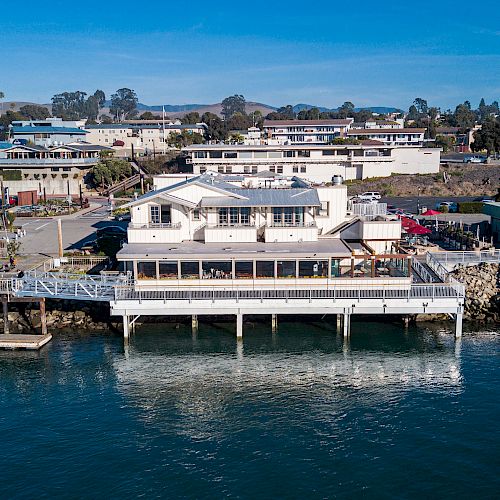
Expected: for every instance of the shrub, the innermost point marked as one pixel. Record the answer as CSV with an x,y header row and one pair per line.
x,y
470,207
12,175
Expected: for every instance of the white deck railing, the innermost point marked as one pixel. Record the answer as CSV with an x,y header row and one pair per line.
x,y
450,259
415,291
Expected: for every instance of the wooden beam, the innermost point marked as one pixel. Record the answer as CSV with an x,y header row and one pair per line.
x,y
43,317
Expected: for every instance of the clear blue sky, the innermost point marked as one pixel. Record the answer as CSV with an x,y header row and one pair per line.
x,y
322,52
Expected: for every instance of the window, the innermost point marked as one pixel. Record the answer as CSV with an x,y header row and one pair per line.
x,y
246,169
215,154
154,213
230,154
260,154
233,216
229,170
200,154
243,269
196,214
246,155
304,154
303,170
222,216
289,154
216,270
286,269
335,268
295,170
220,169
168,270
279,169
324,210
66,169
254,170
288,216
245,215
313,268
328,152
190,270
146,270
274,154
264,269
272,169
203,170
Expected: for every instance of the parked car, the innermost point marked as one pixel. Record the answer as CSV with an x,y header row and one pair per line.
x,y
110,231
370,195
474,159
451,205
123,217
484,199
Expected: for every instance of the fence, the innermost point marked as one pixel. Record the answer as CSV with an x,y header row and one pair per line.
x,y
415,291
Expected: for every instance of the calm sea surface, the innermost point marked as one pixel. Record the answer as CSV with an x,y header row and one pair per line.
x,y
301,414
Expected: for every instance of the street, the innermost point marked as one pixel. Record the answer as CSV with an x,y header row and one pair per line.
x,y
78,230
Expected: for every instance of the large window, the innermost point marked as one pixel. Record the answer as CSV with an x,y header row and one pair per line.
x,y
286,269
234,216
168,270
313,269
243,269
288,216
216,269
146,270
160,214
190,270
264,269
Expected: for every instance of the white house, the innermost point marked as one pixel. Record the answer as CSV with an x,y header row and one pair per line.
x,y
46,133
394,136
205,231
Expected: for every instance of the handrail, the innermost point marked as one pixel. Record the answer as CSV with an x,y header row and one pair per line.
x,y
422,271
155,225
415,291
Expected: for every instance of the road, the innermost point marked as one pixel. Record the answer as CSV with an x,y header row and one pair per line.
x,y
409,203
41,233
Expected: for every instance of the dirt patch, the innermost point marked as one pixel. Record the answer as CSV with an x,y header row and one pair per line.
x,y
464,180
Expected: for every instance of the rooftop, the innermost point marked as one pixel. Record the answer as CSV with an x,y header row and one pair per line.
x,y
305,123
371,131
325,248
44,130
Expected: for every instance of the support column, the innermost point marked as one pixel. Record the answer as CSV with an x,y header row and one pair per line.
x,y
458,325
347,324
274,323
5,307
339,322
194,324
43,316
126,327
239,326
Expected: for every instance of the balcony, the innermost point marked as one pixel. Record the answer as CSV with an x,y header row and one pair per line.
x,y
47,162
152,232
291,232
235,233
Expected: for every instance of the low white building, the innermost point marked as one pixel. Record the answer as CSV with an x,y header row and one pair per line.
x,y
47,133
306,131
313,162
395,136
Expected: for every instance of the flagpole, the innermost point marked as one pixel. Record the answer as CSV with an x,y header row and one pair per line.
x,y
163,121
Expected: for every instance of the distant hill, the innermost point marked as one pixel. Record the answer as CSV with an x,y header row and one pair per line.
x,y
179,110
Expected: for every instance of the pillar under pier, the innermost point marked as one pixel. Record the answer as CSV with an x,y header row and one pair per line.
x,y
346,324
339,322
126,327
458,325
194,324
239,326
5,307
274,323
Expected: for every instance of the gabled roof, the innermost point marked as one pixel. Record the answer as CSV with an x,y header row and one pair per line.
x,y
207,180
267,197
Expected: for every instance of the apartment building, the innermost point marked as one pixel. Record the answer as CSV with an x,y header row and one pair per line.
x,y
46,133
142,136
313,162
394,136
306,131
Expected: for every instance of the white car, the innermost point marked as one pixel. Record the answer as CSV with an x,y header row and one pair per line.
x,y
370,195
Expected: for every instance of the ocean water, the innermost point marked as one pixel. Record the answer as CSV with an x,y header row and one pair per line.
x,y
392,413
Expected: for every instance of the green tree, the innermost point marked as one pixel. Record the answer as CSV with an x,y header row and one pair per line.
x,y
445,142
109,171
123,104
94,104
191,118
346,110
106,119
185,138
239,121
464,117
309,114
488,138
70,105
216,129
421,105
233,104
34,112
412,113
147,115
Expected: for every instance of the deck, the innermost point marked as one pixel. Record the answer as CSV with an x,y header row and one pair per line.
x,y
18,341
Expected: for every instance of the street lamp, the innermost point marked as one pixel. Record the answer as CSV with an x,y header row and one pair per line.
x,y
418,201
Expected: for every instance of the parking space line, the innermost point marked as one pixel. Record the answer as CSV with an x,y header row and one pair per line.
x,y
43,225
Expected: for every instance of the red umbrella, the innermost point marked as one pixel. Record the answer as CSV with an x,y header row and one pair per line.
x,y
418,229
407,222
431,212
